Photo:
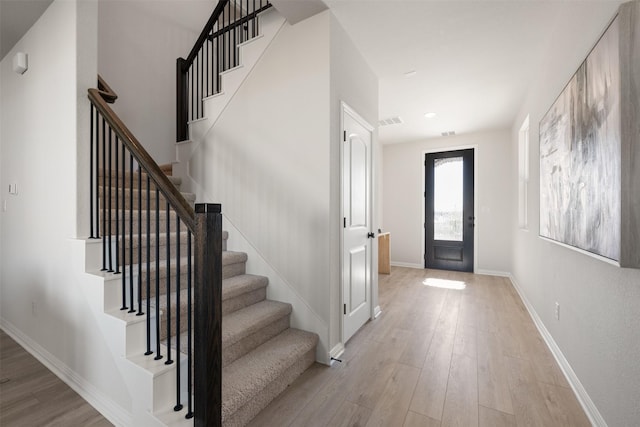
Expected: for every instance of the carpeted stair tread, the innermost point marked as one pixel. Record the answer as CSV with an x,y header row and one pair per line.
x,y
228,258
123,198
242,323
233,264
248,376
232,257
104,180
238,285
152,239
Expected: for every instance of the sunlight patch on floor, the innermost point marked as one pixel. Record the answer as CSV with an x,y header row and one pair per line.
x,y
444,283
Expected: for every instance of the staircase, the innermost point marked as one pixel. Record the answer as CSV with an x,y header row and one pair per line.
x,y
194,336
261,353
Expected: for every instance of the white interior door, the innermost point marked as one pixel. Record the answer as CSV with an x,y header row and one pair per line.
x,y
357,241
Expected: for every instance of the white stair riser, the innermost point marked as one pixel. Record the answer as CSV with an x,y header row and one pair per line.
x,y
164,385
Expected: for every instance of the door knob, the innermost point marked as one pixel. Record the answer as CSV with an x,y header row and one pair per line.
x,y
371,235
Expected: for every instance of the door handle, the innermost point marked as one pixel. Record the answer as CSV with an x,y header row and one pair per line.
x,y
371,235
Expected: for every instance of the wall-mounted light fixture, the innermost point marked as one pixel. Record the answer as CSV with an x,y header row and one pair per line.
x,y
20,62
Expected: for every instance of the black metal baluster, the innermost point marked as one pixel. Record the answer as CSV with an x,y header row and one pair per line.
x,y
158,354
191,90
224,40
235,42
245,26
257,21
131,294
110,270
189,332
196,62
200,90
91,235
117,191
140,312
104,197
207,67
178,404
253,21
97,168
122,252
218,54
124,231
148,268
168,276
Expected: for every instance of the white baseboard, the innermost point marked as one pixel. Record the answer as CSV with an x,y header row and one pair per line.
x,y
103,404
494,273
377,312
336,352
583,397
406,264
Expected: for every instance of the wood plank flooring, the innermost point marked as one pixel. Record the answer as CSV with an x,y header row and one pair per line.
x,y
450,349
31,395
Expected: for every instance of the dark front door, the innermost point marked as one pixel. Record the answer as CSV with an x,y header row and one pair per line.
x,y
449,216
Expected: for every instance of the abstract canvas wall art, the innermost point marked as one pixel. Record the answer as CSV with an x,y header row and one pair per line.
x,y
580,155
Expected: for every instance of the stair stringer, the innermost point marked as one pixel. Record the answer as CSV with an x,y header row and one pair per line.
x,y
151,383
250,52
279,289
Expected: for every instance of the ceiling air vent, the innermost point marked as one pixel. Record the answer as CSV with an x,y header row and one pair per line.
x,y
390,121
450,133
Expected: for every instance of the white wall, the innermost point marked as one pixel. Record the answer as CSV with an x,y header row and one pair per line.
x,y
403,203
273,161
352,82
42,302
598,329
267,160
139,42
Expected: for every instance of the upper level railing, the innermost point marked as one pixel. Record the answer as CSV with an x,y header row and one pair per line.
x,y
216,50
136,210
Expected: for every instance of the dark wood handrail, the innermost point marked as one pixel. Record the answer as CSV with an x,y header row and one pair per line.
x,y
204,294
232,26
196,81
100,98
106,92
206,30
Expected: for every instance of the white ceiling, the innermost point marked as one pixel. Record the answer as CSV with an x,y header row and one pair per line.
x,y
474,59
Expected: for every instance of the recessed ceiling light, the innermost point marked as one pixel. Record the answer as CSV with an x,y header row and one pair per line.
x,y
430,115
450,133
410,73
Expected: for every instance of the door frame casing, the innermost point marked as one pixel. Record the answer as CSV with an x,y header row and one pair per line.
x,y
474,147
373,285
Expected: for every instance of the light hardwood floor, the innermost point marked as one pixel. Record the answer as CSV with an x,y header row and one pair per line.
x,y
30,395
436,357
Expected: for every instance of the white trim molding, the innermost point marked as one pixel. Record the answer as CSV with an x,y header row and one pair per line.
x,y
587,404
493,273
407,264
377,311
336,352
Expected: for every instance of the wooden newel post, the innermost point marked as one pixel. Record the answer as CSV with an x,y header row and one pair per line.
x,y
182,100
208,316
